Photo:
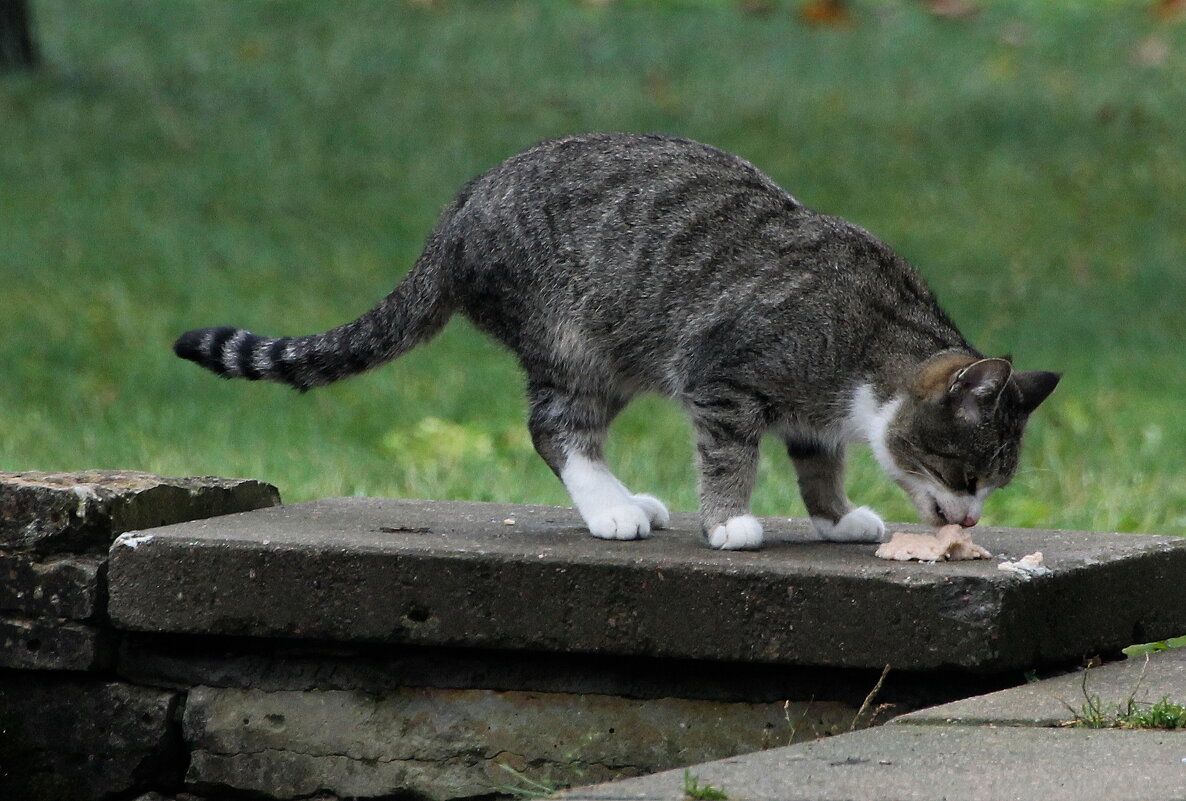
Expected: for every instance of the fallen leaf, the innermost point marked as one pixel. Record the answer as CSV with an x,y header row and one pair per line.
x,y
1169,10
826,12
953,9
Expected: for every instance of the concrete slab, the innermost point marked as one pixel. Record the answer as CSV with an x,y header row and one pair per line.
x,y
1056,701
518,577
933,763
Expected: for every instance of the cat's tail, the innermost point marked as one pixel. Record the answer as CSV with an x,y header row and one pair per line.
x,y
414,311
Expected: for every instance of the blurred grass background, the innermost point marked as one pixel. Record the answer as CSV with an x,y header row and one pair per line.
x,y
277,165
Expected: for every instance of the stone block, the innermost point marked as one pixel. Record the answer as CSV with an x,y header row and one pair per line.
x,y
69,739
444,744
46,644
59,587
83,512
458,575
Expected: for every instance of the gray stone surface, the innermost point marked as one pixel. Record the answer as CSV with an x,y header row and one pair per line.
x,y
80,512
457,574
1013,744
66,739
57,587
294,664
46,644
938,763
1056,701
452,743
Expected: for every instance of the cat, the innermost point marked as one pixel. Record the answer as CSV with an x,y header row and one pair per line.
x,y
614,264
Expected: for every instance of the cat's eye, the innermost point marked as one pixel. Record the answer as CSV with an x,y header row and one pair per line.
x,y
970,483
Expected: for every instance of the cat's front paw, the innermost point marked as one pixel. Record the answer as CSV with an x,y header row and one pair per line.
x,y
654,509
741,533
626,521
859,525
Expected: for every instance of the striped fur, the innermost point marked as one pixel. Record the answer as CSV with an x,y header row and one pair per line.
x,y
415,310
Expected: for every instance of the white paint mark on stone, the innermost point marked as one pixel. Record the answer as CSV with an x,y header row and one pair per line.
x,y
132,540
85,495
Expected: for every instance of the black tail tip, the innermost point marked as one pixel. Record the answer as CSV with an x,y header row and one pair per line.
x,y
188,345
203,345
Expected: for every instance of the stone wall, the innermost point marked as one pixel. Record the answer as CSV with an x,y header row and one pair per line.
x,y
70,727
90,711
384,649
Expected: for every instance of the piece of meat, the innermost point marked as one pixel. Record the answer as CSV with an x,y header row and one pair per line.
x,y
950,543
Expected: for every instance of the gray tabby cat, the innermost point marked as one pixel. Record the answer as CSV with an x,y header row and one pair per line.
x,y
615,264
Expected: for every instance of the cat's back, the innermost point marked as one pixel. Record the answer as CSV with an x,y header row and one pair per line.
x,y
610,160
571,225
646,248
610,210
577,181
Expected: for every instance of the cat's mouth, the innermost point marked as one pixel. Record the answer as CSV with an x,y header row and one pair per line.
x,y
938,510
967,519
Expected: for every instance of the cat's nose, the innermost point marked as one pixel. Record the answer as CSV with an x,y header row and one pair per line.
x,y
969,521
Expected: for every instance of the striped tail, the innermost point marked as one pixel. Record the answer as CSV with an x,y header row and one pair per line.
x,y
414,311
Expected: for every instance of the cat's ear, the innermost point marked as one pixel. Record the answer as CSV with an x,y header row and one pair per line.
x,y
978,387
1035,386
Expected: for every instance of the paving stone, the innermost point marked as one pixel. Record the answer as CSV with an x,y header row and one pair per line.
x,y
937,763
57,587
452,743
456,574
69,739
46,644
1057,701
84,511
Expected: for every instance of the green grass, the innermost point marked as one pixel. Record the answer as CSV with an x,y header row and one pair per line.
x,y
1131,714
693,789
1163,714
524,787
180,164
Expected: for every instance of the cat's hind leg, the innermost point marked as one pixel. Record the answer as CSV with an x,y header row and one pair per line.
x,y
568,430
821,484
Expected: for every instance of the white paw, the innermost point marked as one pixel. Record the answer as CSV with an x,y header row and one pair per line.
x,y
623,522
654,509
742,533
859,525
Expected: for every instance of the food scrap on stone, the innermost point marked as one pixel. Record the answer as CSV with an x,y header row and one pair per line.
x,y
1026,566
950,543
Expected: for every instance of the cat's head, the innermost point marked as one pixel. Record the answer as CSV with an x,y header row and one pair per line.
x,y
956,435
